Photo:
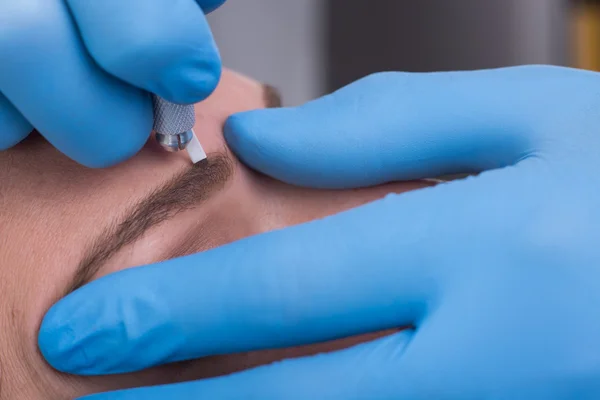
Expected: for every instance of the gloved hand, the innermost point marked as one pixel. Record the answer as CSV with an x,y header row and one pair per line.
x,y
499,274
78,71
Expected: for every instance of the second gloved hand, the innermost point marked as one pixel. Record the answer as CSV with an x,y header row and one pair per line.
x,y
498,274
79,71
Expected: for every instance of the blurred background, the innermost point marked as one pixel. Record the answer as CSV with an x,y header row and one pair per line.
x,y
307,48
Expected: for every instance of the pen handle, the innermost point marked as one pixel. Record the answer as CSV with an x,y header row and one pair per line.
x,y
171,118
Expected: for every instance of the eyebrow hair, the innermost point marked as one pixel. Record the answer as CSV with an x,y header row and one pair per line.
x,y
272,96
181,193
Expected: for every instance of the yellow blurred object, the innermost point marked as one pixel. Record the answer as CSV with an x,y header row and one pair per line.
x,y
586,34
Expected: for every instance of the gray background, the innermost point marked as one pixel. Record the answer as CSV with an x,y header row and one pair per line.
x,y
309,47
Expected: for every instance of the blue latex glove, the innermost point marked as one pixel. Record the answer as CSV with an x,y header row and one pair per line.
x,y
499,274
79,71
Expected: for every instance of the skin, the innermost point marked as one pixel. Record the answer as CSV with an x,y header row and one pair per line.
x,y
52,208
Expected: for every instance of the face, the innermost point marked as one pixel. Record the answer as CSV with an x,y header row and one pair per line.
x,y
62,225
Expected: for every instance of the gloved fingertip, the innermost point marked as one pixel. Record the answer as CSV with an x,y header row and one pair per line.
x,y
189,83
62,347
178,75
109,158
242,134
54,340
123,139
233,130
261,139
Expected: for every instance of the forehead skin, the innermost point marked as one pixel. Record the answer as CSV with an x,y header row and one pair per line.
x,y
51,208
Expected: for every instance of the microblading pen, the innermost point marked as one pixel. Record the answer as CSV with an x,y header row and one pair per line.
x,y
173,125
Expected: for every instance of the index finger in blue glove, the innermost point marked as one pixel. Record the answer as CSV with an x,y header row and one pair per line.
x,y
393,126
90,116
164,46
13,126
309,283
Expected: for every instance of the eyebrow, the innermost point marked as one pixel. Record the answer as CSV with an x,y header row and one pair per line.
x,y
181,193
272,96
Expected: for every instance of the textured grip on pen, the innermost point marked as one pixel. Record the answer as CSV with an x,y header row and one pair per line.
x,y
172,119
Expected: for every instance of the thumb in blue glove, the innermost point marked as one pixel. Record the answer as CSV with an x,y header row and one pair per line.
x,y
80,71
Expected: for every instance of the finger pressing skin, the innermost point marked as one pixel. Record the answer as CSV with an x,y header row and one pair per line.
x,y
47,74
165,47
